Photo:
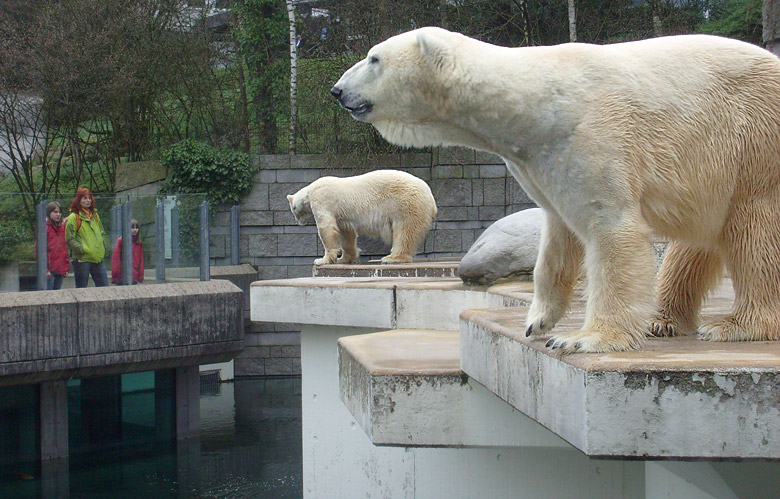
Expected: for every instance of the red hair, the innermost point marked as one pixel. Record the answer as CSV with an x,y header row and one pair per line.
x,y
75,205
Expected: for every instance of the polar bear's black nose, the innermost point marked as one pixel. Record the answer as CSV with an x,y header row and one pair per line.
x,y
335,92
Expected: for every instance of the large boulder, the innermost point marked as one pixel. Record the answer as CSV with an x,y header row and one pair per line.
x,y
506,248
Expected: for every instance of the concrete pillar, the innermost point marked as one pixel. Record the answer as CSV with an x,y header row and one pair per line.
x,y
164,404
187,402
55,478
54,419
188,466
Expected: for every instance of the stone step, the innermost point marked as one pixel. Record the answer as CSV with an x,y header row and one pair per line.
x,y
677,398
405,387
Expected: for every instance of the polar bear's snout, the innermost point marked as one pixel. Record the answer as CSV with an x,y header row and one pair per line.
x,y
358,107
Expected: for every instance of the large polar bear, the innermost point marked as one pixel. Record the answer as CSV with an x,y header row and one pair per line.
x,y
678,135
388,204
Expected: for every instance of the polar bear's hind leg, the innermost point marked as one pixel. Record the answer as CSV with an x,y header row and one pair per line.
x,y
685,278
349,249
752,252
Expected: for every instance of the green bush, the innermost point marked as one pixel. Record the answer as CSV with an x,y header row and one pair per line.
x,y
196,167
15,240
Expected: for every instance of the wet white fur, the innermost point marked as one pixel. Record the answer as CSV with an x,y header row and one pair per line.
x,y
677,135
391,205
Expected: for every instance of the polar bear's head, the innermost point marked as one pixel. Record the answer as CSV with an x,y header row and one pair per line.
x,y
404,86
301,207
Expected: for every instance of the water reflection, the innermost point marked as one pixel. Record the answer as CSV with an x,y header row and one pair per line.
x,y
250,446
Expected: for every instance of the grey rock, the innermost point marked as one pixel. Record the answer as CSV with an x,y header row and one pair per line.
x,y
507,248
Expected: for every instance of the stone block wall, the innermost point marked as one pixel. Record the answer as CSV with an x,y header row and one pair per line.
x,y
472,191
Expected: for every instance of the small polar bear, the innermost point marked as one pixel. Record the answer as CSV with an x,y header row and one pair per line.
x,y
678,135
391,205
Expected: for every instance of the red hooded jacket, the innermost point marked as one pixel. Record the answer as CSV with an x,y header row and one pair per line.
x,y
56,249
138,262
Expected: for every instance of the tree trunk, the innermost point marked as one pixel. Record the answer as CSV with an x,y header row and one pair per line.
x,y
655,12
771,15
243,104
572,22
293,77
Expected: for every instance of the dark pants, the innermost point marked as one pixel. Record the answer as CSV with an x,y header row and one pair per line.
x,y
54,282
82,271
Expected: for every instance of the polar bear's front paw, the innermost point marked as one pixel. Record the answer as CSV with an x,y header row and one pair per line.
x,y
540,320
591,341
323,261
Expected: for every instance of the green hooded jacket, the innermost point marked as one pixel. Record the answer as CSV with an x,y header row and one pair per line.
x,y
85,239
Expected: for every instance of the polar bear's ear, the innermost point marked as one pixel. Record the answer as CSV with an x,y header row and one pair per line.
x,y
432,46
290,197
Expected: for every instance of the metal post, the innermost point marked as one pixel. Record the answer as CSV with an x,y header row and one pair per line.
x,y
116,223
235,233
127,244
41,240
159,226
175,244
205,270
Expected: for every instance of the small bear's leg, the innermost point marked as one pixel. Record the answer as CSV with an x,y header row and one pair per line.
x,y
404,245
329,235
620,280
685,278
558,265
349,249
751,244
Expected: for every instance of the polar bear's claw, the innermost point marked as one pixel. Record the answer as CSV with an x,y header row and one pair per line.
x,y
589,341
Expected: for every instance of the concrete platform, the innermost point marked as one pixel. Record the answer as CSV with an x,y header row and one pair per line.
x,y
381,302
430,424
405,387
678,398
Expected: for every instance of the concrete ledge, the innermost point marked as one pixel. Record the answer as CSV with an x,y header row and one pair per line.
x,y
421,268
54,334
405,387
380,302
678,398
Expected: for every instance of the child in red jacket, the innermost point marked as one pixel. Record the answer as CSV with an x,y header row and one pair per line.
x,y
138,256
57,265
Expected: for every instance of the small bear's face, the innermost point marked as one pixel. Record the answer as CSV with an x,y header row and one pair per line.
x,y
300,208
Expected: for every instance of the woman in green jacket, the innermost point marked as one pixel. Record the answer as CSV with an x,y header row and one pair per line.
x,y
84,236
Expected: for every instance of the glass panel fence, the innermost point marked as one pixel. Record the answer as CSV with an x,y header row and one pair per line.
x,y
180,232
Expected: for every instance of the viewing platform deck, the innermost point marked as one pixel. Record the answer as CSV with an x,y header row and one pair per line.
x,y
50,335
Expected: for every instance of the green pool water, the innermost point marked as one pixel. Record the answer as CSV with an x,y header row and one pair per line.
x,y
249,446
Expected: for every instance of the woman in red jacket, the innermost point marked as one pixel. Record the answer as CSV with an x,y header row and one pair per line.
x,y
57,265
138,256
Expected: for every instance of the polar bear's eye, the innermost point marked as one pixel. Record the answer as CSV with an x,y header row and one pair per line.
x,y
373,59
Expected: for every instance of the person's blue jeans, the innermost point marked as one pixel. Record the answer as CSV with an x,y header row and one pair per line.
x,y
54,282
82,271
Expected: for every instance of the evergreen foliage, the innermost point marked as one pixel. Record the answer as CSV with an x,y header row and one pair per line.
x,y
196,167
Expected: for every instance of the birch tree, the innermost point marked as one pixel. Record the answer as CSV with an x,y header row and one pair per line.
x,y
293,77
771,16
572,22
